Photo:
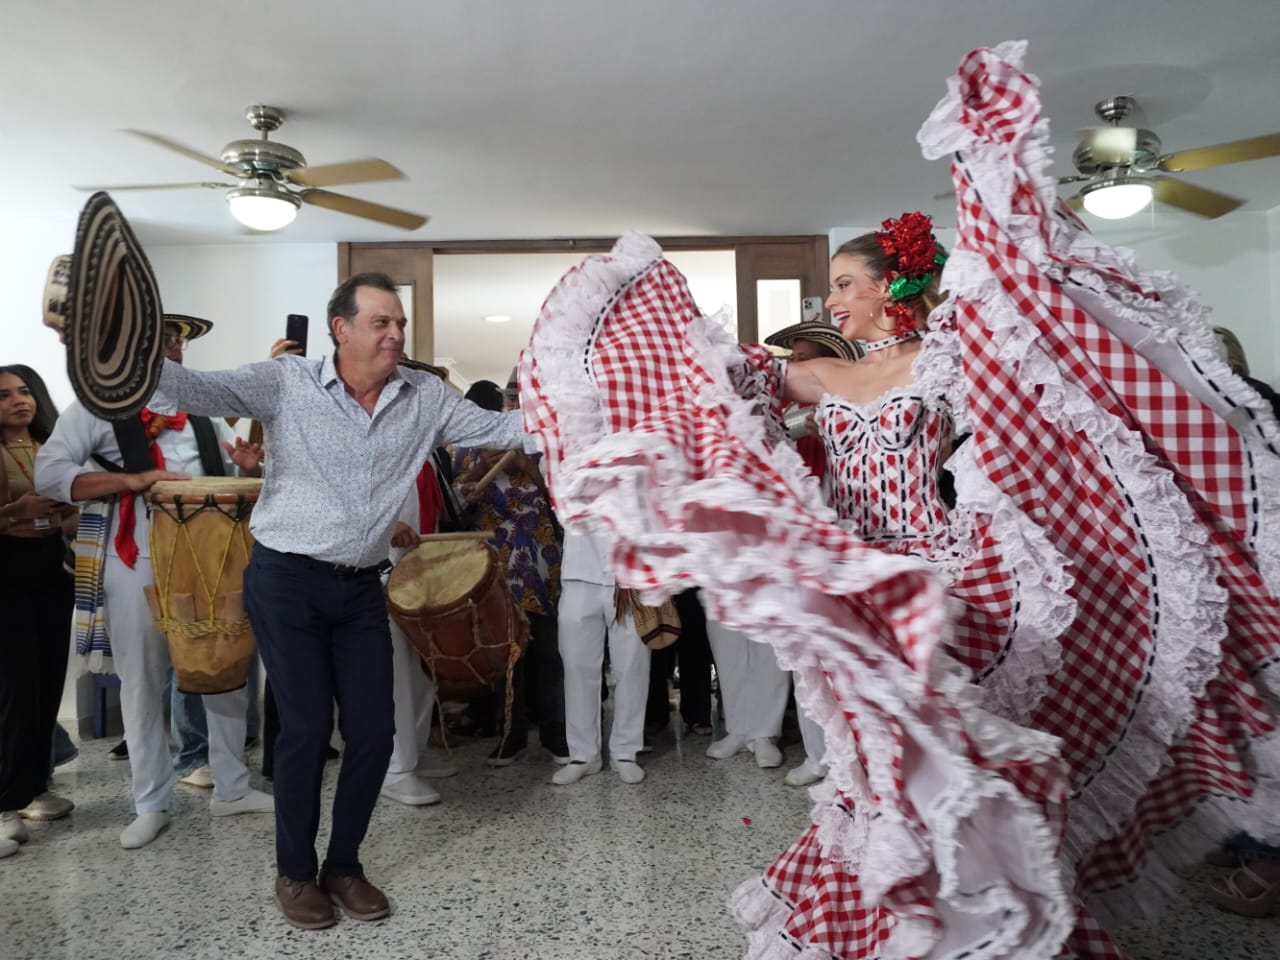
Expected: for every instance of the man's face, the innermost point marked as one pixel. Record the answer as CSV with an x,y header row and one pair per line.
x,y
374,337
173,343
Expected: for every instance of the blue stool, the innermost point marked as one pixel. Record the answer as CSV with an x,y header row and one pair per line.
x,y
101,683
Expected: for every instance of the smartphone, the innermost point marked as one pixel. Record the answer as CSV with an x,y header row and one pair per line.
x,y
295,329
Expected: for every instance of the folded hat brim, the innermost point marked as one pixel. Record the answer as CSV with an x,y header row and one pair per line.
x,y
189,327
817,332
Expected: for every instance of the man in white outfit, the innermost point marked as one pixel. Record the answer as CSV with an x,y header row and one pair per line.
x,y
754,691
83,461
814,767
587,617
413,694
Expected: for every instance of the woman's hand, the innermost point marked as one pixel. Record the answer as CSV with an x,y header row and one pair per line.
x,y
31,506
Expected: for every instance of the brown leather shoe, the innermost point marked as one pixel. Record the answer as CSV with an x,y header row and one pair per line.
x,y
304,904
358,898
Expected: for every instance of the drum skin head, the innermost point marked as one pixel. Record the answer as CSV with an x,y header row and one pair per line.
x,y
200,488
437,574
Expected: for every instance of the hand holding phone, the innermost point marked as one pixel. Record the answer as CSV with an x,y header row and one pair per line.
x,y
295,329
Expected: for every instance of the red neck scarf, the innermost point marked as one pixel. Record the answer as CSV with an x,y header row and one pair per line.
x,y
154,424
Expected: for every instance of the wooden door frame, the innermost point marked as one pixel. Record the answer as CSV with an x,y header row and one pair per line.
x,y
403,260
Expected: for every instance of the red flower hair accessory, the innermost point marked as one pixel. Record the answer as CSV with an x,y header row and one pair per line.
x,y
910,242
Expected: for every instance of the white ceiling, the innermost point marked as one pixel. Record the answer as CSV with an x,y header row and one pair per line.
x,y
582,117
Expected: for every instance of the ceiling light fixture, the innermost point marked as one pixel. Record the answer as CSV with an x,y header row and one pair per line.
x,y
1117,197
263,209
498,318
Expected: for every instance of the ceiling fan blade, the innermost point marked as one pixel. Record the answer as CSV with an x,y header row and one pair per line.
x,y
160,186
363,208
1219,155
188,152
1198,200
1111,145
337,174
1074,178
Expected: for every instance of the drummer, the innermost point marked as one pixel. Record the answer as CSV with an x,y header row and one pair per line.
x,y
323,527
128,457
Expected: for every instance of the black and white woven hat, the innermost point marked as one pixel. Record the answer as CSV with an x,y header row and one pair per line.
x,y
114,321
818,332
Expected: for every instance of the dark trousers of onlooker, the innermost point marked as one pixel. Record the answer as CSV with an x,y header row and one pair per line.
x,y
693,654
36,599
323,637
538,684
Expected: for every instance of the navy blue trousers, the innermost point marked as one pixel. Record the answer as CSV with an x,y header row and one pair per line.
x,y
323,639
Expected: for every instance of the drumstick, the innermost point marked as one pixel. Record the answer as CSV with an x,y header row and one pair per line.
x,y
498,467
457,535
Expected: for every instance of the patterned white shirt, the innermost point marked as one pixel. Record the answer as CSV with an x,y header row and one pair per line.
x,y
335,476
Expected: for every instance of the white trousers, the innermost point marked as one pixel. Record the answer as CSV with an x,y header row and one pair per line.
x,y
754,688
586,620
815,744
414,696
141,658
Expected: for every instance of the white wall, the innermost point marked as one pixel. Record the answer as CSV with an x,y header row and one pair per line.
x,y
27,247
246,290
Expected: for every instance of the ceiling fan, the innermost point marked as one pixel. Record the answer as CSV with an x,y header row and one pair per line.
x,y
1123,167
273,179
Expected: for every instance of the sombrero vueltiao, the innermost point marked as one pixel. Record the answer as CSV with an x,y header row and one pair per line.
x,y
114,322
189,327
818,332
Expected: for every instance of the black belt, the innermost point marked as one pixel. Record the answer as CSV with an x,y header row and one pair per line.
x,y
337,570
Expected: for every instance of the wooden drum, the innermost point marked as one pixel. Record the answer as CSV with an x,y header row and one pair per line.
x,y
450,597
200,545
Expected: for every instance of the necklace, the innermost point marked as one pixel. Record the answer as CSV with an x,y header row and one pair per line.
x,y
871,346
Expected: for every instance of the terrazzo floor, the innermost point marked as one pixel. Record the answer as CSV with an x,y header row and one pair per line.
x,y
508,867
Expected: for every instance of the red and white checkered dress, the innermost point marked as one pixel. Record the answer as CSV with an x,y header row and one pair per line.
x,y
1116,531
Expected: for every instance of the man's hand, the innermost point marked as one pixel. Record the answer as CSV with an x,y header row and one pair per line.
x,y
246,456
31,506
283,346
403,535
138,482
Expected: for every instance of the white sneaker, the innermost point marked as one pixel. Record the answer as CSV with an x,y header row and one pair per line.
x,y
8,847
47,806
767,753
726,747
412,791
12,827
574,771
560,761
255,801
143,830
200,777
435,768
802,776
628,770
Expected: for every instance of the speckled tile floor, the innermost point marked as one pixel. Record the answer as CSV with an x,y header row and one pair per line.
x,y
509,867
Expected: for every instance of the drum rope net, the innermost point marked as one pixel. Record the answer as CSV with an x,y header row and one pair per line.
x,y
187,629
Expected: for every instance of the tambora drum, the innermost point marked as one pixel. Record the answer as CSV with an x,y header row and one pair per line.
x,y
450,596
200,545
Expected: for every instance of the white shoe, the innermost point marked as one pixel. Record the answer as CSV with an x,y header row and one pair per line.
x,y
255,801
412,791
726,747
143,830
435,768
12,827
560,761
802,776
8,847
767,753
575,771
628,770
200,777
47,806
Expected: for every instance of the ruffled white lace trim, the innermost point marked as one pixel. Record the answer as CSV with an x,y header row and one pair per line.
x,y
1173,334
633,489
